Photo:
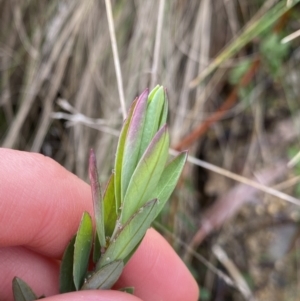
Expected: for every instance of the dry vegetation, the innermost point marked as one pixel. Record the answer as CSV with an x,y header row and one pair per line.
x,y
234,93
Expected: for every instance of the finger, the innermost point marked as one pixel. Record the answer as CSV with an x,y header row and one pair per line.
x,y
40,273
41,203
157,273
94,296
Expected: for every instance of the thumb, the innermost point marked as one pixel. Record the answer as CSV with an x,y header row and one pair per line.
x,y
94,295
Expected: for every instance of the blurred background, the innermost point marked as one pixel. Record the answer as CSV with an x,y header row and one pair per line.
x,y
232,73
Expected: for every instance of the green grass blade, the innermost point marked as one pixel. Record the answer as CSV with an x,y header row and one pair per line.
x,y
66,283
120,155
106,277
255,28
130,235
169,179
146,175
110,216
97,199
22,291
82,249
133,141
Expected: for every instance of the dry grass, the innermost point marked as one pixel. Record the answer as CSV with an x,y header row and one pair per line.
x,y
59,95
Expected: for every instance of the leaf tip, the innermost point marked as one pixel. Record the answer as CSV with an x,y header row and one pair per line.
x,y
92,165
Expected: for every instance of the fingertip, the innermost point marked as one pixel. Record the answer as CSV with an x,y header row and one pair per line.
x,y
95,295
40,273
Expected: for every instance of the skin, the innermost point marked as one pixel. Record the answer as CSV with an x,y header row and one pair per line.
x,y
41,204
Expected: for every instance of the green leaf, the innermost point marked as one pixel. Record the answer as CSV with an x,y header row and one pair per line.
x,y
82,249
133,141
155,117
120,155
169,179
127,258
22,291
110,216
146,174
66,283
164,113
130,235
97,199
96,249
239,71
152,92
106,277
274,52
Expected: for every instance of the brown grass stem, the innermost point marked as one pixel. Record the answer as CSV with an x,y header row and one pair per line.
x,y
114,46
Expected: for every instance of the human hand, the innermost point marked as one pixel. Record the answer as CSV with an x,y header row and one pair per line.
x,y
41,205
